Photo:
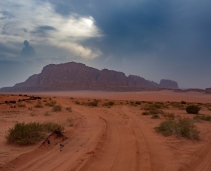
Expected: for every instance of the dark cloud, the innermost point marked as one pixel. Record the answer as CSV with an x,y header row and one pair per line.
x,y
28,51
139,27
8,49
43,31
6,15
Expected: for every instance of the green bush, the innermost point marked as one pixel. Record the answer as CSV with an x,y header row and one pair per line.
x,y
57,108
193,109
30,133
183,127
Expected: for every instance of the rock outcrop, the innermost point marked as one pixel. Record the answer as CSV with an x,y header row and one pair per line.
x,y
77,76
168,84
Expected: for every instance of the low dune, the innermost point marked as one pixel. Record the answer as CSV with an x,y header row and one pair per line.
x,y
105,131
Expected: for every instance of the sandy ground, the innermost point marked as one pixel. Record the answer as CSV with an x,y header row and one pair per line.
x,y
116,138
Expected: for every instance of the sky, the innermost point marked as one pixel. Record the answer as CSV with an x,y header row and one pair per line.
x,y
155,39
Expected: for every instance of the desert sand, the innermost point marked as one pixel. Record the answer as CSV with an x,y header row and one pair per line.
x,y
102,138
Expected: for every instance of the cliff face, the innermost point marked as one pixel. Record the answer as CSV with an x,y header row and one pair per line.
x,y
77,76
168,84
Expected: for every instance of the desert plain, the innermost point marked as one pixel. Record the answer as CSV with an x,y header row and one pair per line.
x,y
113,135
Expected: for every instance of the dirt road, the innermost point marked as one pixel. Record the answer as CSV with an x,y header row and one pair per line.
x,y
116,139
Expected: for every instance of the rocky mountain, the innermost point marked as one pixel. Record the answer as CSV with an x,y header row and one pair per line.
x,y
168,84
77,76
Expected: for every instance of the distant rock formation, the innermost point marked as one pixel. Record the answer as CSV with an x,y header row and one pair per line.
x,y
208,91
168,84
77,76
190,89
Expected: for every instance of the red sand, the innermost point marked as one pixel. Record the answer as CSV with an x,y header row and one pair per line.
x,y
116,139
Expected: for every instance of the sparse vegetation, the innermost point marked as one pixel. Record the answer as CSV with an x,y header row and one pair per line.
x,y
51,103
202,117
178,105
38,105
155,116
183,127
93,103
57,108
33,114
138,103
30,133
169,115
77,102
145,113
193,109
21,105
69,109
110,103
12,106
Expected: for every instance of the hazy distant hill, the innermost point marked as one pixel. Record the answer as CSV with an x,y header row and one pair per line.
x,y
77,76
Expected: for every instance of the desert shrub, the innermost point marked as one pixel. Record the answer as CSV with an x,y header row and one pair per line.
x,y
21,105
30,133
155,116
51,127
138,103
202,117
77,102
169,115
93,103
157,105
38,105
153,106
29,108
193,109
183,127
145,113
12,106
178,105
109,103
155,111
51,103
183,102
69,109
57,108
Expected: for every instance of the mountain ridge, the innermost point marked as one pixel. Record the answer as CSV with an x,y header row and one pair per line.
x,y
78,76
